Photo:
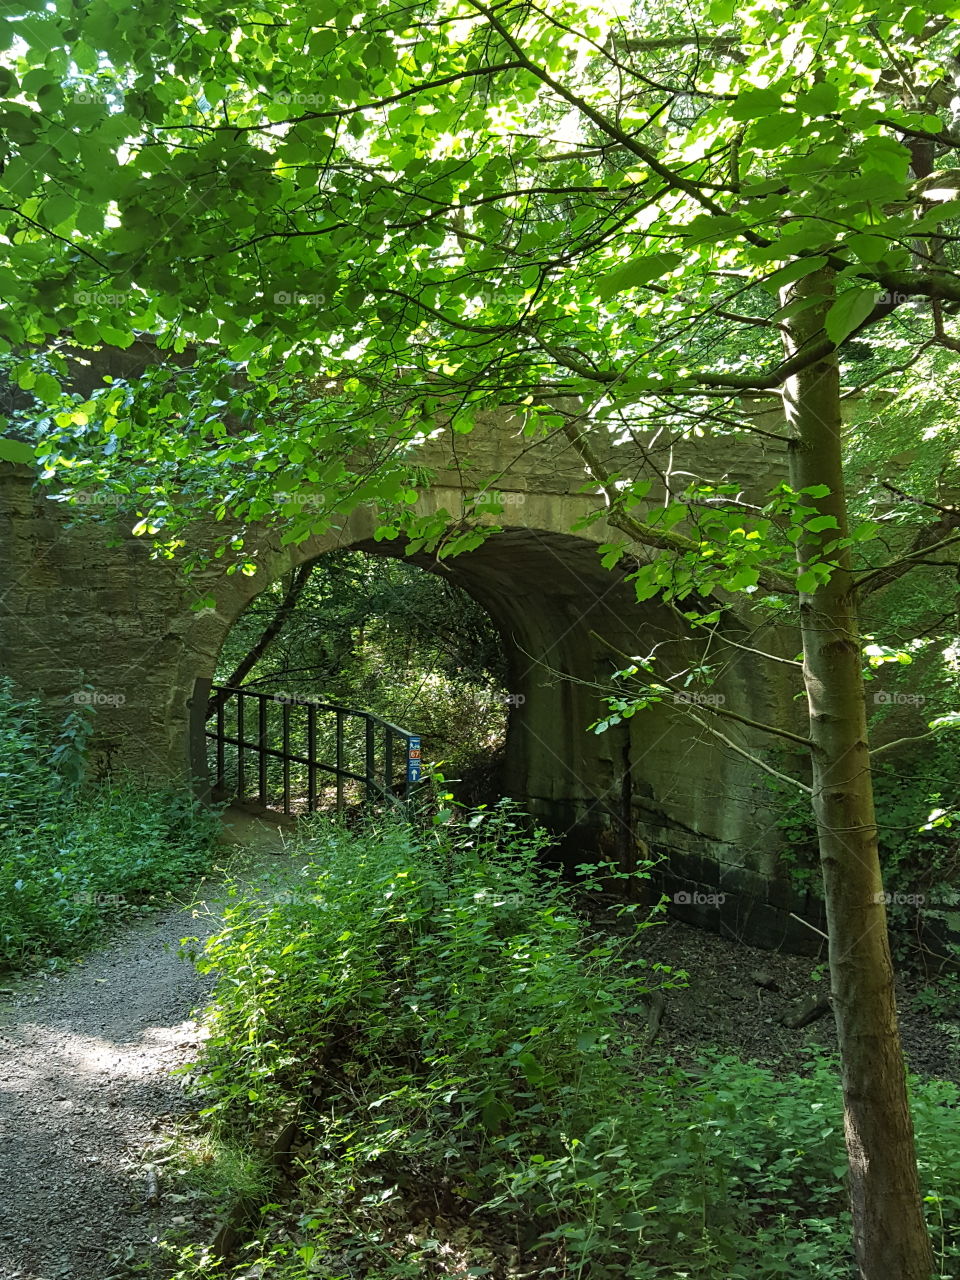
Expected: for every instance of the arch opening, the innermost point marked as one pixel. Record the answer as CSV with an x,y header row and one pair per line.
x,y
565,623
357,633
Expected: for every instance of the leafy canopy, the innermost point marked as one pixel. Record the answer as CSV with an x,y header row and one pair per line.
x,y
372,222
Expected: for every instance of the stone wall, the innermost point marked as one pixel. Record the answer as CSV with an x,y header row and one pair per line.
x,y
82,602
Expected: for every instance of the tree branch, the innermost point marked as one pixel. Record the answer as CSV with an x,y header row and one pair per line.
x,y
748,755
923,545
647,534
270,632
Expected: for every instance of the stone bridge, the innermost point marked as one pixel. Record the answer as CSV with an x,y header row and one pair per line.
x,y
82,601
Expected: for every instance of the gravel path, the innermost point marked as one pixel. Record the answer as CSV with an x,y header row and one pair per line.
x,y
85,1083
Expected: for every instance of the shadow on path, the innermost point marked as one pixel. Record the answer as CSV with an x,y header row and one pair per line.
x,y
85,1062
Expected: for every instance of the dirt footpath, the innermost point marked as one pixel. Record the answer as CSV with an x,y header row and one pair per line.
x,y
85,1083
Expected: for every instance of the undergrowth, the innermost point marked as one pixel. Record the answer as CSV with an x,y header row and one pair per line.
x,y
77,854
464,1059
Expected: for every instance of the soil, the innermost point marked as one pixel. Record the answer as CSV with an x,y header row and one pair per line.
x,y
736,995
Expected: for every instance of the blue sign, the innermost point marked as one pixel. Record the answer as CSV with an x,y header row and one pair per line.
x,y
413,759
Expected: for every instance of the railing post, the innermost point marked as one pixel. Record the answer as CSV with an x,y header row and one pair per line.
x,y
340,799
221,745
286,757
241,780
262,751
388,759
369,743
311,758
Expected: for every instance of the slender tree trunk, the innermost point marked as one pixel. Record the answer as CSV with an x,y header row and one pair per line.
x,y
890,1235
298,581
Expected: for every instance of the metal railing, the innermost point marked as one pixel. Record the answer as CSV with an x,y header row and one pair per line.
x,y
270,747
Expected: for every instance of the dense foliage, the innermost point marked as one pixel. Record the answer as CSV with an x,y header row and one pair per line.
x,y
387,637
75,859
465,1058
396,220
374,222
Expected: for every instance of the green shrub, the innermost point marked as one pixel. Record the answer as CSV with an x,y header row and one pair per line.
x,y
463,1052
28,784
72,858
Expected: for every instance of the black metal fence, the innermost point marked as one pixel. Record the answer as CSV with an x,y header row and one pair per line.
x,y
284,748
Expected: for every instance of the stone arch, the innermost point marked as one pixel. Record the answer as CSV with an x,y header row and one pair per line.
x,y
653,782
76,601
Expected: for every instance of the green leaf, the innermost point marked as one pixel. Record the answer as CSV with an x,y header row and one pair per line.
x,y
865,532
795,270
755,104
807,582
774,130
531,1068
742,579
819,100
849,312
47,388
58,210
869,248
639,272
16,451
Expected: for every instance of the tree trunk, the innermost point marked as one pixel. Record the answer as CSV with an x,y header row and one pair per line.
x,y
890,1235
298,581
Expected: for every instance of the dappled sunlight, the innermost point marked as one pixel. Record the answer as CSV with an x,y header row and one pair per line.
x,y
75,1061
